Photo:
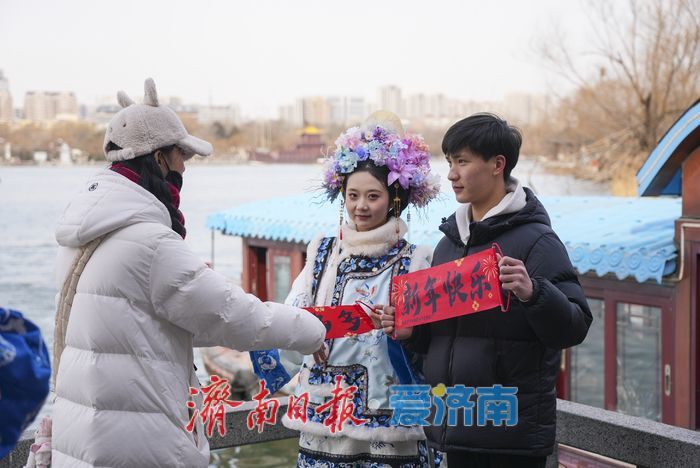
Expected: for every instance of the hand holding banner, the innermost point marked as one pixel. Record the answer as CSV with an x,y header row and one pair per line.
x,y
463,286
343,321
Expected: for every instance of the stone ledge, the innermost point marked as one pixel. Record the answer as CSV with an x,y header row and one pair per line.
x,y
626,438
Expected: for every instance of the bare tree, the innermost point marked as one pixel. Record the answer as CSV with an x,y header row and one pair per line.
x,y
647,58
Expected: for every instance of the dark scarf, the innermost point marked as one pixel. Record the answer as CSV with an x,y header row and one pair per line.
x,y
178,223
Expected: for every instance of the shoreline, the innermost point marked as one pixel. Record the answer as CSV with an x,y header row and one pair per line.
x,y
531,164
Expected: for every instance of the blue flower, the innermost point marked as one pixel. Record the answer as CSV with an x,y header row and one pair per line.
x,y
347,162
361,153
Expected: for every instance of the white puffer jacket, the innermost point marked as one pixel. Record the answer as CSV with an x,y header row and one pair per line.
x,y
143,301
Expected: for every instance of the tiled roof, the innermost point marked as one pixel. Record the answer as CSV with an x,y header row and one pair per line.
x,y
628,237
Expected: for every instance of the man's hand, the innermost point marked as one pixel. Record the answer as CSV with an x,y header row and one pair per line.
x,y
388,324
514,278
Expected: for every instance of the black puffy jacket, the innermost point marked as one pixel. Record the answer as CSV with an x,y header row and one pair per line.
x,y
519,348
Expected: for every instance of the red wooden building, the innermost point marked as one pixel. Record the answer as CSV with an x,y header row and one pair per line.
x,y
308,149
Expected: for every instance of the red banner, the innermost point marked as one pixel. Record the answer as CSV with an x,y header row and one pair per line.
x,y
464,286
342,321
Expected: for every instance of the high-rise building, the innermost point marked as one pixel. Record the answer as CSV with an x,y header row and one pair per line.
x,y
6,111
321,111
525,109
4,83
293,114
390,99
347,110
46,106
66,105
223,114
416,107
316,111
438,106
357,108
36,106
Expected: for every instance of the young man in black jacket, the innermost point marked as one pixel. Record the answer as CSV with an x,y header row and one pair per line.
x,y
522,347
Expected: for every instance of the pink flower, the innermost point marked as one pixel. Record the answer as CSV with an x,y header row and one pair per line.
x,y
401,171
351,139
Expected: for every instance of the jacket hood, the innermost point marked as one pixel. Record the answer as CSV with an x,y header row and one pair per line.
x,y
107,201
490,228
513,202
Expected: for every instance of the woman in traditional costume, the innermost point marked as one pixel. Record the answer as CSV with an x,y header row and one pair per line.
x,y
377,170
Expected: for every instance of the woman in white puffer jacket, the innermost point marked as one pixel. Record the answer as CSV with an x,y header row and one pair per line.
x,y
142,300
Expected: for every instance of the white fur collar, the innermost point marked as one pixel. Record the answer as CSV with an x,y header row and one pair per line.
x,y
371,243
513,202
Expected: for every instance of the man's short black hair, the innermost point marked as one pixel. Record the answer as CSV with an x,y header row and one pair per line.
x,y
485,135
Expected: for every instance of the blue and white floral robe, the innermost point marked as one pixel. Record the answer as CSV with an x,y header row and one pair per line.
x,y
358,268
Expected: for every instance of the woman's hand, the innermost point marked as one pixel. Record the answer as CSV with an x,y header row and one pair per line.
x,y
389,324
376,315
321,356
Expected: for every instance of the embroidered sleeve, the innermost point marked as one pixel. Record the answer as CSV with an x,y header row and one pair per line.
x,y
268,367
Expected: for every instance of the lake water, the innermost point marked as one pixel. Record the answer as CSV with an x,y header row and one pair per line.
x,y
32,199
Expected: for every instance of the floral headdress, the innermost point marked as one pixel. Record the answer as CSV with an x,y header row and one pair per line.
x,y
407,157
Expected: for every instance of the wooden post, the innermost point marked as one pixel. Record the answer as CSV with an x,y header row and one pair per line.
x,y
686,377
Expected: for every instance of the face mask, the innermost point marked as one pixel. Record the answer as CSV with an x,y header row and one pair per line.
x,y
174,178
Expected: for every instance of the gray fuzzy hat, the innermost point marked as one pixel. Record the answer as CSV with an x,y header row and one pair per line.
x,y
140,129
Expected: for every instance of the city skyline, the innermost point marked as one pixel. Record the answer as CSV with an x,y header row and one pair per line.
x,y
431,109
237,53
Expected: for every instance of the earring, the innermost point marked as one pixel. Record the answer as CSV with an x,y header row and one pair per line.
x,y
397,209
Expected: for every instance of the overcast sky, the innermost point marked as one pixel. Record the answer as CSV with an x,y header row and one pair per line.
x,y
261,54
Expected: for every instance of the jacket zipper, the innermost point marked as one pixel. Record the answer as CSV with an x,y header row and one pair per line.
x,y
452,353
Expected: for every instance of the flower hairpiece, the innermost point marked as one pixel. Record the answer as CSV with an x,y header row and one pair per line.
x,y
407,158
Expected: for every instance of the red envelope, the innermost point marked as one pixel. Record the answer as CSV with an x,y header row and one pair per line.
x,y
464,286
343,321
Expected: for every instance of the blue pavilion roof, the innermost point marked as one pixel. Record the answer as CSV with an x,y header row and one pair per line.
x,y
627,237
661,172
